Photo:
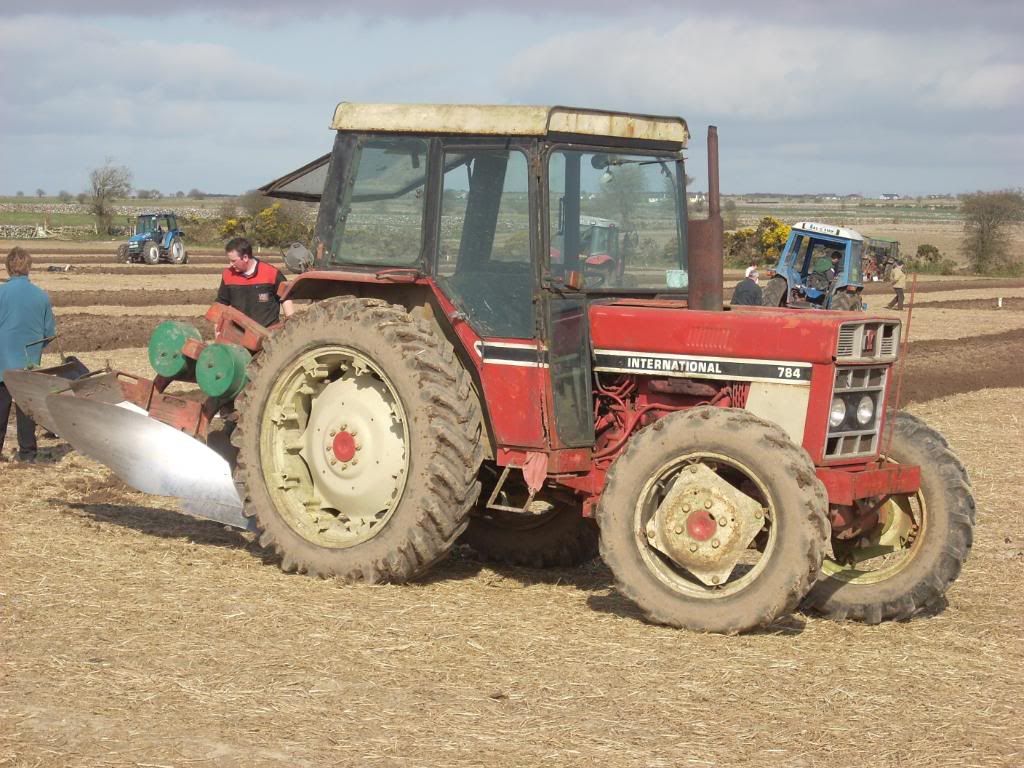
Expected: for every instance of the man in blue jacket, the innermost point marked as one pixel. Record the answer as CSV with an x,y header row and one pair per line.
x,y
25,316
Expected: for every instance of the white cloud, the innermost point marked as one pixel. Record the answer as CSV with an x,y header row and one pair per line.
x,y
88,79
770,71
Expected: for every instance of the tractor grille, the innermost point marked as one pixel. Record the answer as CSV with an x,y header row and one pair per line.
x,y
868,341
852,439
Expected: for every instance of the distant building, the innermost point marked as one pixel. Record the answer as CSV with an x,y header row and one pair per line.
x,y
889,196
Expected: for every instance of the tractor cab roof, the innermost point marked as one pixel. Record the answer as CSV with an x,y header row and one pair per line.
x,y
506,120
481,120
828,229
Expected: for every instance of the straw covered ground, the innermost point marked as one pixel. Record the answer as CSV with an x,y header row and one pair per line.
x,y
133,636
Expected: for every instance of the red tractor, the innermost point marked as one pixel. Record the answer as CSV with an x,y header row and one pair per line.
x,y
448,380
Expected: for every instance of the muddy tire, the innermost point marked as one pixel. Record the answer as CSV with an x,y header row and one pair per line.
x,y
176,251
359,442
747,454
774,292
150,252
562,537
123,254
937,532
847,302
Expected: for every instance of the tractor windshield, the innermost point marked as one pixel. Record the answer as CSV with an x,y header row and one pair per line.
x,y
145,224
616,218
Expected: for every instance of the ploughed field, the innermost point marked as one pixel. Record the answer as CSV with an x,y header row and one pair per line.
x,y
131,635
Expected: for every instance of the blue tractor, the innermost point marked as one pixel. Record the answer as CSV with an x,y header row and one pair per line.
x,y
156,238
819,268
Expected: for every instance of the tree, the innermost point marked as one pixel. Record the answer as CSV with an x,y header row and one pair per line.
x,y
107,184
196,194
20,193
64,196
179,194
621,193
40,192
82,198
989,218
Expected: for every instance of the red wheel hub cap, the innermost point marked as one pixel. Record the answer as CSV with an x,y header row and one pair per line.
x,y
344,446
700,525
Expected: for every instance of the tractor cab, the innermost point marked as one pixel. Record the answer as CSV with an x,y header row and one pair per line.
x,y
600,250
819,267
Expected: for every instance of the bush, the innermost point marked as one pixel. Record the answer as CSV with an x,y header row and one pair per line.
x,y
989,218
929,260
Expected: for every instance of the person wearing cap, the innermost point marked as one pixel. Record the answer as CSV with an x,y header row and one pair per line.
x,y
747,292
898,278
26,318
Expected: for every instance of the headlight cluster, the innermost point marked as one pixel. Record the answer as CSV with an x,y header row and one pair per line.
x,y
863,410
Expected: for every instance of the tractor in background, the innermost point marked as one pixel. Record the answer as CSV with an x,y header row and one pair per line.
x,y
156,237
880,254
450,379
808,275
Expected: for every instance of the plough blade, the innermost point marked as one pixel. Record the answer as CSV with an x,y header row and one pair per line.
x,y
31,388
150,456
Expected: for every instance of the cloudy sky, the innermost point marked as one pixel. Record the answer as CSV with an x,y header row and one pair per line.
x,y
864,96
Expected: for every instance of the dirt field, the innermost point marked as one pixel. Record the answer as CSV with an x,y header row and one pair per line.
x,y
133,636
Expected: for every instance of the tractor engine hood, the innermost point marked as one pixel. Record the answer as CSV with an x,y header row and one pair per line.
x,y
753,333
141,237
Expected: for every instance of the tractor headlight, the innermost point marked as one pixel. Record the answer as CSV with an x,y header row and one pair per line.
x,y
865,410
838,412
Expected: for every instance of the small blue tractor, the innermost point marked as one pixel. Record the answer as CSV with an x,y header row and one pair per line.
x,y
819,268
156,238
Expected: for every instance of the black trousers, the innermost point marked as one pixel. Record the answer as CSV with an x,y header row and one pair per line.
x,y
26,427
897,300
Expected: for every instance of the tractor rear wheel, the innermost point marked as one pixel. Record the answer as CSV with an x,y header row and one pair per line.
x,y
150,252
714,520
845,301
176,251
359,440
904,563
560,537
774,292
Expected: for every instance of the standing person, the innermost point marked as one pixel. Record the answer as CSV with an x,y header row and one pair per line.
x,y
26,316
898,278
250,285
747,292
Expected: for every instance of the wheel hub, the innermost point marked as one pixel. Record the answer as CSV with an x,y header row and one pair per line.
x,y
704,524
344,446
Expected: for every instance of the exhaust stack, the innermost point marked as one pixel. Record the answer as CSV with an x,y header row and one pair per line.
x,y
705,237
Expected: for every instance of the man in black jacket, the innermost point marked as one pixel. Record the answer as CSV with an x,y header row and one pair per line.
x,y
250,285
747,291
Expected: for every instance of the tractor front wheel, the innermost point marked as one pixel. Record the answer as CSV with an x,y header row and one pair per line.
x,y
846,301
123,256
903,563
774,292
150,252
713,520
359,440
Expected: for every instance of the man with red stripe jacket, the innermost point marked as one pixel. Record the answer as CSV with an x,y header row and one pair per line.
x,y
250,285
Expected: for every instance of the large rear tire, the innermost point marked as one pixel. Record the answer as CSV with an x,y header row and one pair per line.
x,y
176,251
738,472
774,292
359,442
561,537
905,563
